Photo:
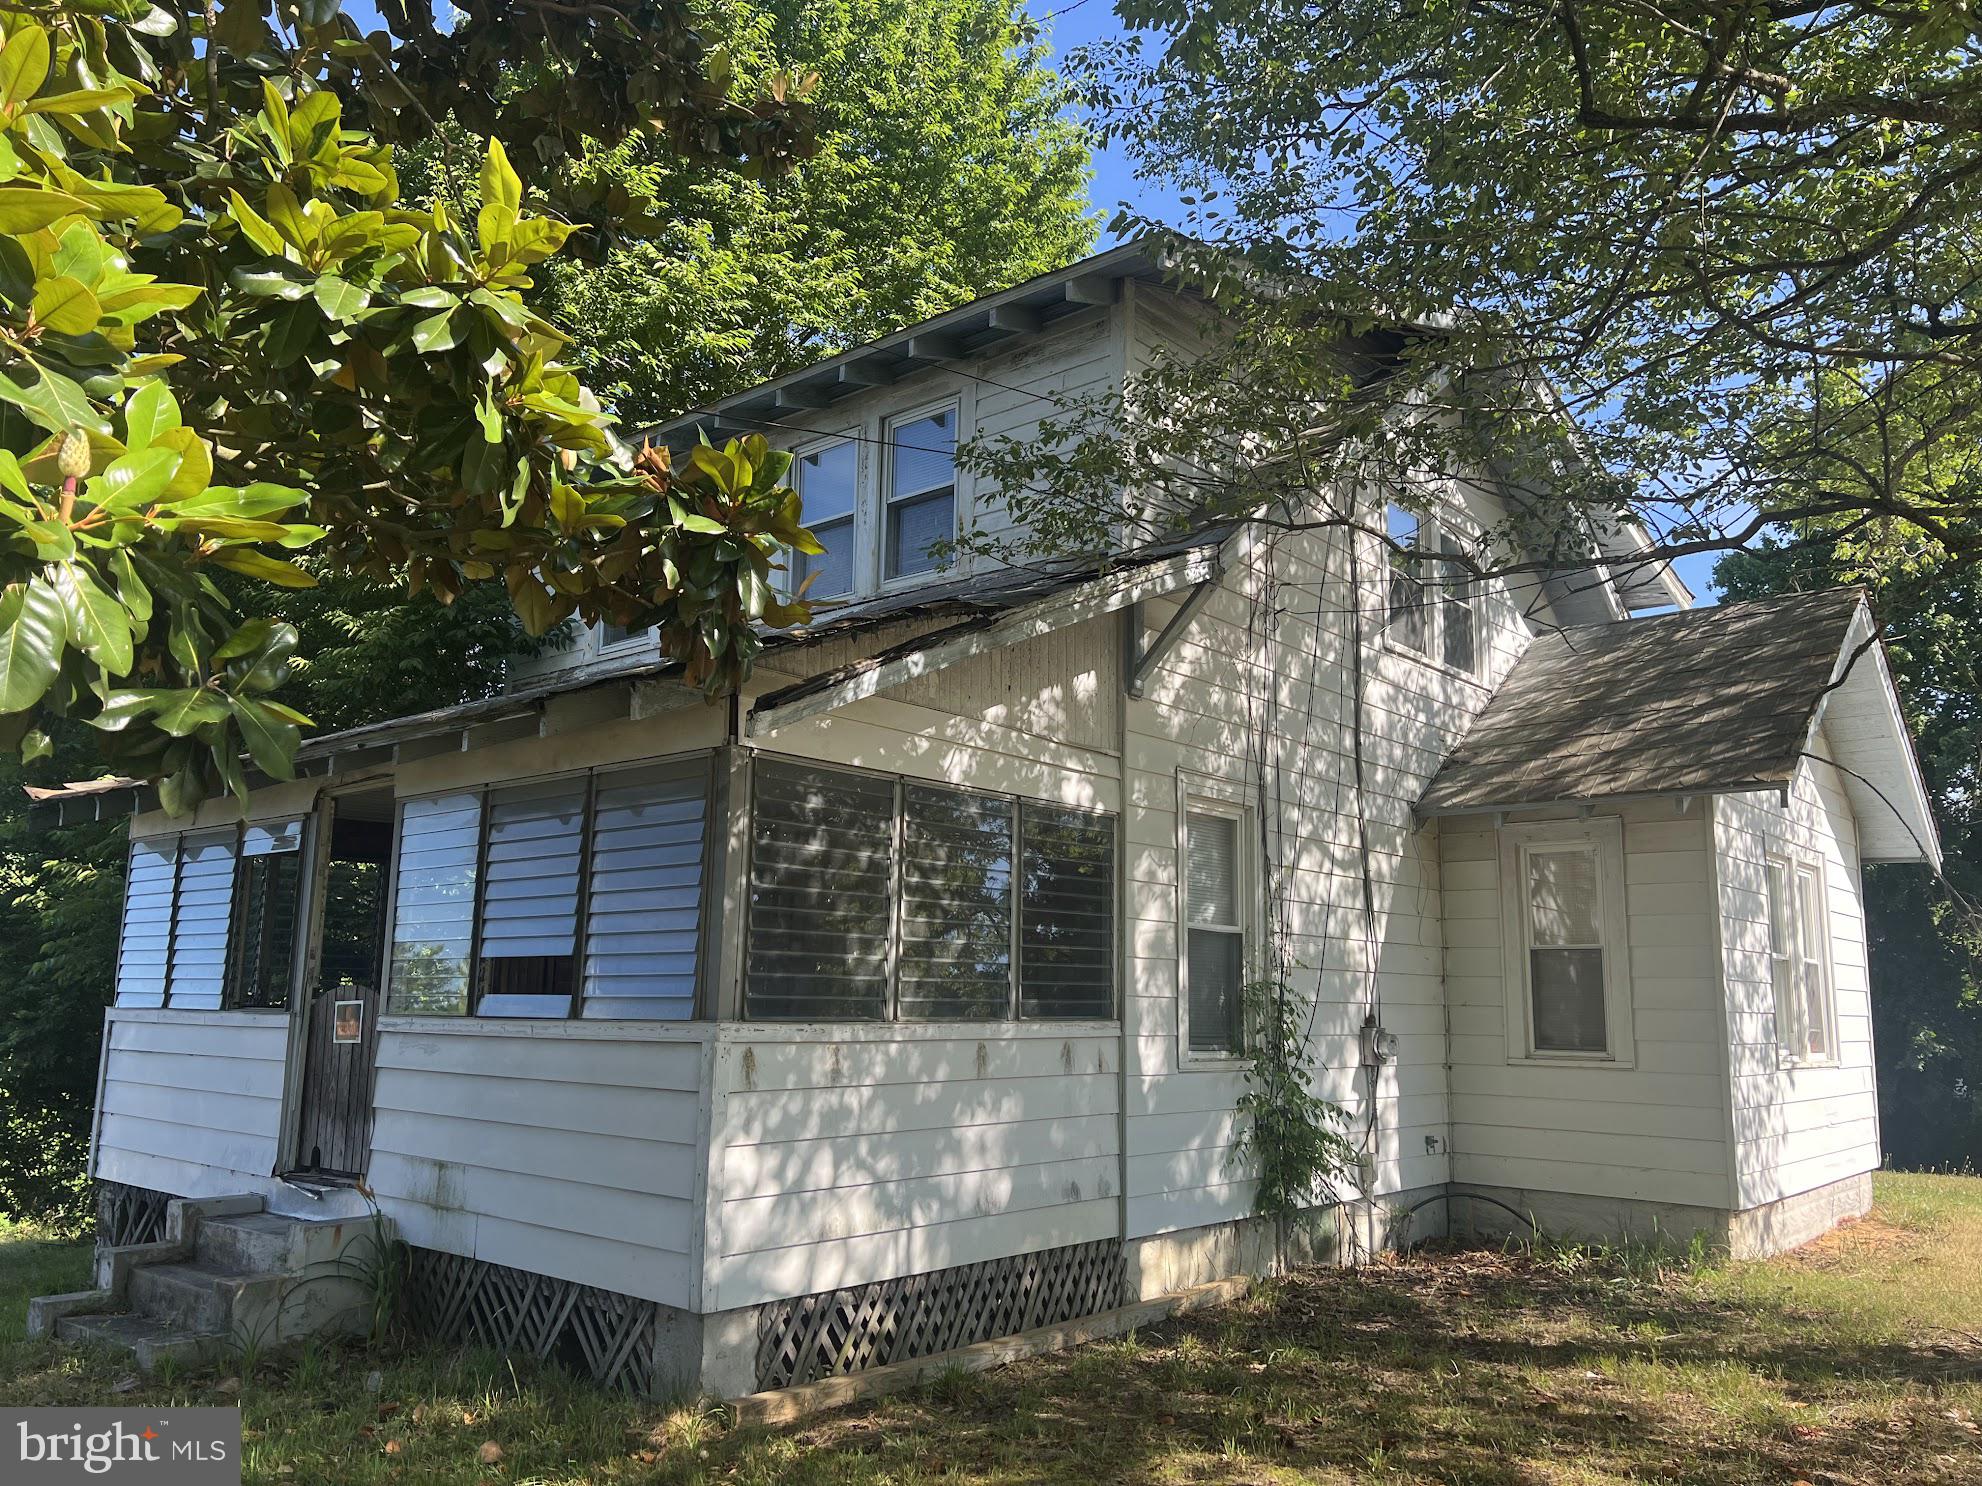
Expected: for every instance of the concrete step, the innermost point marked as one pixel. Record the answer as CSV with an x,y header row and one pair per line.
x,y
202,1297
250,1243
149,1341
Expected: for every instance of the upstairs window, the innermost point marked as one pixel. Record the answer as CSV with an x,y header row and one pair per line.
x,y
1800,960
826,479
1568,980
1432,605
877,899
922,492
575,896
1214,937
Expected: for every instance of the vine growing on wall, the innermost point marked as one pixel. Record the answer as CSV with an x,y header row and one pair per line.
x,y
1294,1138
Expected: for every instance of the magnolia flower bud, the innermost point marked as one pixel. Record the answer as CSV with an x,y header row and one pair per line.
x,y
72,459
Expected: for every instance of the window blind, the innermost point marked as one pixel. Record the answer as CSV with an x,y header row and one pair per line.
x,y
956,924
147,932
201,910
643,923
530,886
822,875
1066,912
434,904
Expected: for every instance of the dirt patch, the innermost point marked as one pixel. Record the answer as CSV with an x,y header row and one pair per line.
x,y
1858,1242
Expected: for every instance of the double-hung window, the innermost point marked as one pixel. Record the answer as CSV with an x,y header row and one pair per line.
x,y
1569,984
874,898
921,516
1800,961
1214,962
1432,599
573,896
827,481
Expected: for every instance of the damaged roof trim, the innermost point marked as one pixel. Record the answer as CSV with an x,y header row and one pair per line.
x,y
927,654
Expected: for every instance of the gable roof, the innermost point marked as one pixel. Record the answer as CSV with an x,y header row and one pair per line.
x,y
1717,700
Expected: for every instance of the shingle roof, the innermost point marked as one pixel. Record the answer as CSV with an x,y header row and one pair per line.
x,y
1702,700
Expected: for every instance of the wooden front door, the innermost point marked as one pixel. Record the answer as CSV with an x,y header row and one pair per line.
x,y
340,1021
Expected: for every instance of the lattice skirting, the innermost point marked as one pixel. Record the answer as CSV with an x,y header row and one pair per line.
x,y
843,1331
608,1337
128,1215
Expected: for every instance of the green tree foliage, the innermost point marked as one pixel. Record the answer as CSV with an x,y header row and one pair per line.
x,y
1737,240
944,170
224,339
1925,933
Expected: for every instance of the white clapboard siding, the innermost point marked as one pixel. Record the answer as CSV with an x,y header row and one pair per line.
x,y
192,1100
547,1149
1796,1127
849,1155
1655,1131
1204,704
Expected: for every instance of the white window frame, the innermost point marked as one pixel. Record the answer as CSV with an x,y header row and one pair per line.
x,y
1207,795
1433,527
856,520
884,499
1604,835
1804,943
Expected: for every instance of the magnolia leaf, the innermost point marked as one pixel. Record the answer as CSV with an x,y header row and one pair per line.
x,y
151,411
502,198
79,101
268,283
36,744
180,792
134,479
25,209
183,710
340,299
130,587
34,630
195,470
252,564
23,65
66,305
271,739
254,226
97,622
55,403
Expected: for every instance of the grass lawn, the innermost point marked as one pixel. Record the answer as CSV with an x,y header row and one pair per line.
x,y
1858,1360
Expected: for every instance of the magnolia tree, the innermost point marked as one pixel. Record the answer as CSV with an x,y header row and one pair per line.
x,y
226,340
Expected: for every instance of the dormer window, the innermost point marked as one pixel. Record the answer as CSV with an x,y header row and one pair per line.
x,y
827,481
922,492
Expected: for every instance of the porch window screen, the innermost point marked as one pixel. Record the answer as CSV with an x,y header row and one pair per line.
x,y
1066,913
146,941
1215,940
643,922
433,921
956,926
530,888
262,944
822,882
201,910
1565,949
872,898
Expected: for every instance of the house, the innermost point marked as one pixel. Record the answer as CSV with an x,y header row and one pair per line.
x,y
894,1003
